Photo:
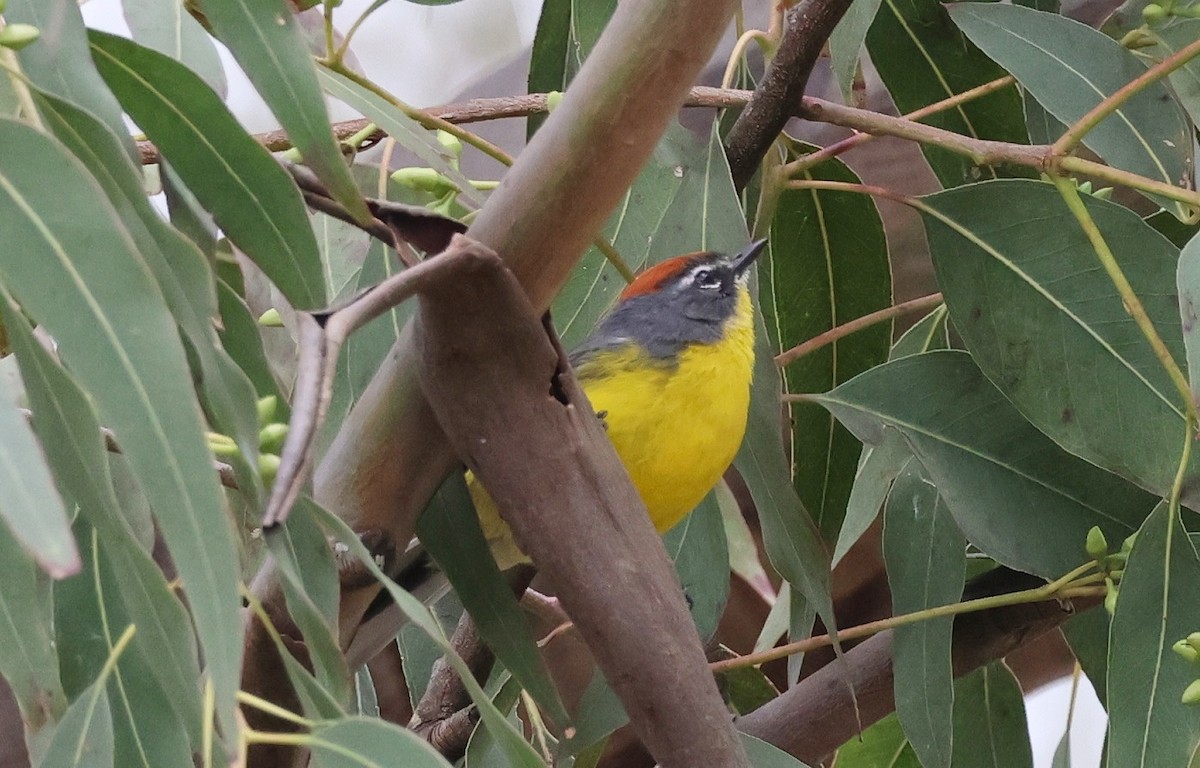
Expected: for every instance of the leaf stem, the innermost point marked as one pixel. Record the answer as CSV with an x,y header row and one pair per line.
x,y
833,150
1133,305
866,321
262,705
1111,103
1112,175
1056,589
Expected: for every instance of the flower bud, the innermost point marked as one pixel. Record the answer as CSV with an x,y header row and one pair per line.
x,y
424,180
271,319
1191,695
451,143
1110,598
266,409
1097,545
17,36
1186,651
271,437
268,467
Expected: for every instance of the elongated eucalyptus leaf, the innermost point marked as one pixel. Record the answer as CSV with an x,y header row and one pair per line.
x,y
27,659
846,43
89,617
916,520
1148,724
1069,68
1189,308
566,32
923,59
355,742
1015,494
169,29
698,548
407,132
264,37
78,275
31,506
1047,326
59,62
763,755
1185,81
182,273
252,199
989,720
827,265
1087,634
84,737
517,752
70,433
883,744
449,528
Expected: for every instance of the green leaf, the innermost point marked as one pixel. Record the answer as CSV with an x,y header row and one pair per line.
x,y
182,273
169,29
1016,495
264,37
566,33
1062,753
915,519
449,529
310,586
846,43
762,755
1148,725
407,132
923,59
1185,81
78,275
517,752
698,548
356,742
240,338
1070,68
27,660
84,737
881,746
70,432
827,265
989,720
61,64
1087,634
1052,333
31,506
252,198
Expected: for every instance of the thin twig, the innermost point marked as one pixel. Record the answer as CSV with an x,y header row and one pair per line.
x,y
808,25
866,321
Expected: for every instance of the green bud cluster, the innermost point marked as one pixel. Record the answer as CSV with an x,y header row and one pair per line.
x,y
271,436
1111,564
1155,14
17,36
1189,649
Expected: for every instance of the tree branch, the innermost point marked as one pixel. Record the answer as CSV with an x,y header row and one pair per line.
x,y
809,24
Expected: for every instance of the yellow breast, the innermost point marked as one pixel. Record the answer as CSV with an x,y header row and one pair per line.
x,y
676,428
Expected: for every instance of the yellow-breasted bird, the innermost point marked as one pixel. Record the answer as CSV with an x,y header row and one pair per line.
x,y
669,370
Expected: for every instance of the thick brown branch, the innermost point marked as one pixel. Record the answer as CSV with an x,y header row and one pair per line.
x,y
521,423
808,25
815,717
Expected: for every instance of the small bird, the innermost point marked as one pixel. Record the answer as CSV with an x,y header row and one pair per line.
x,y
668,369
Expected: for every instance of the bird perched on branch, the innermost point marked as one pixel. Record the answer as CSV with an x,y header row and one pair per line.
x,y
668,369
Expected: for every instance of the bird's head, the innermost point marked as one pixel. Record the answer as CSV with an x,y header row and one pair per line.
x,y
681,301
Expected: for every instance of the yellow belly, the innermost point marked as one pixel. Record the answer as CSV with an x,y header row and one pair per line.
x,y
676,429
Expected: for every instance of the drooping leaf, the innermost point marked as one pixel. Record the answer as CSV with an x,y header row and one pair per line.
x,y
70,433
1069,68
923,59
1148,724
31,507
182,273
59,62
698,548
1185,81
265,38
84,737
355,742
566,32
827,265
763,755
1015,494
846,43
881,746
917,520
169,29
251,197
1053,333
78,275
449,528
1087,634
989,720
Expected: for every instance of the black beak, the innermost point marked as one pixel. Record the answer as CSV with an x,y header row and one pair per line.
x,y
742,260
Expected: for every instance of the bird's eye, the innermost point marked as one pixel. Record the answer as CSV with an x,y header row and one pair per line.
x,y
706,278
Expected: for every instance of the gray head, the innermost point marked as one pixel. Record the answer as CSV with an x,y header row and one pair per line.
x,y
681,301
